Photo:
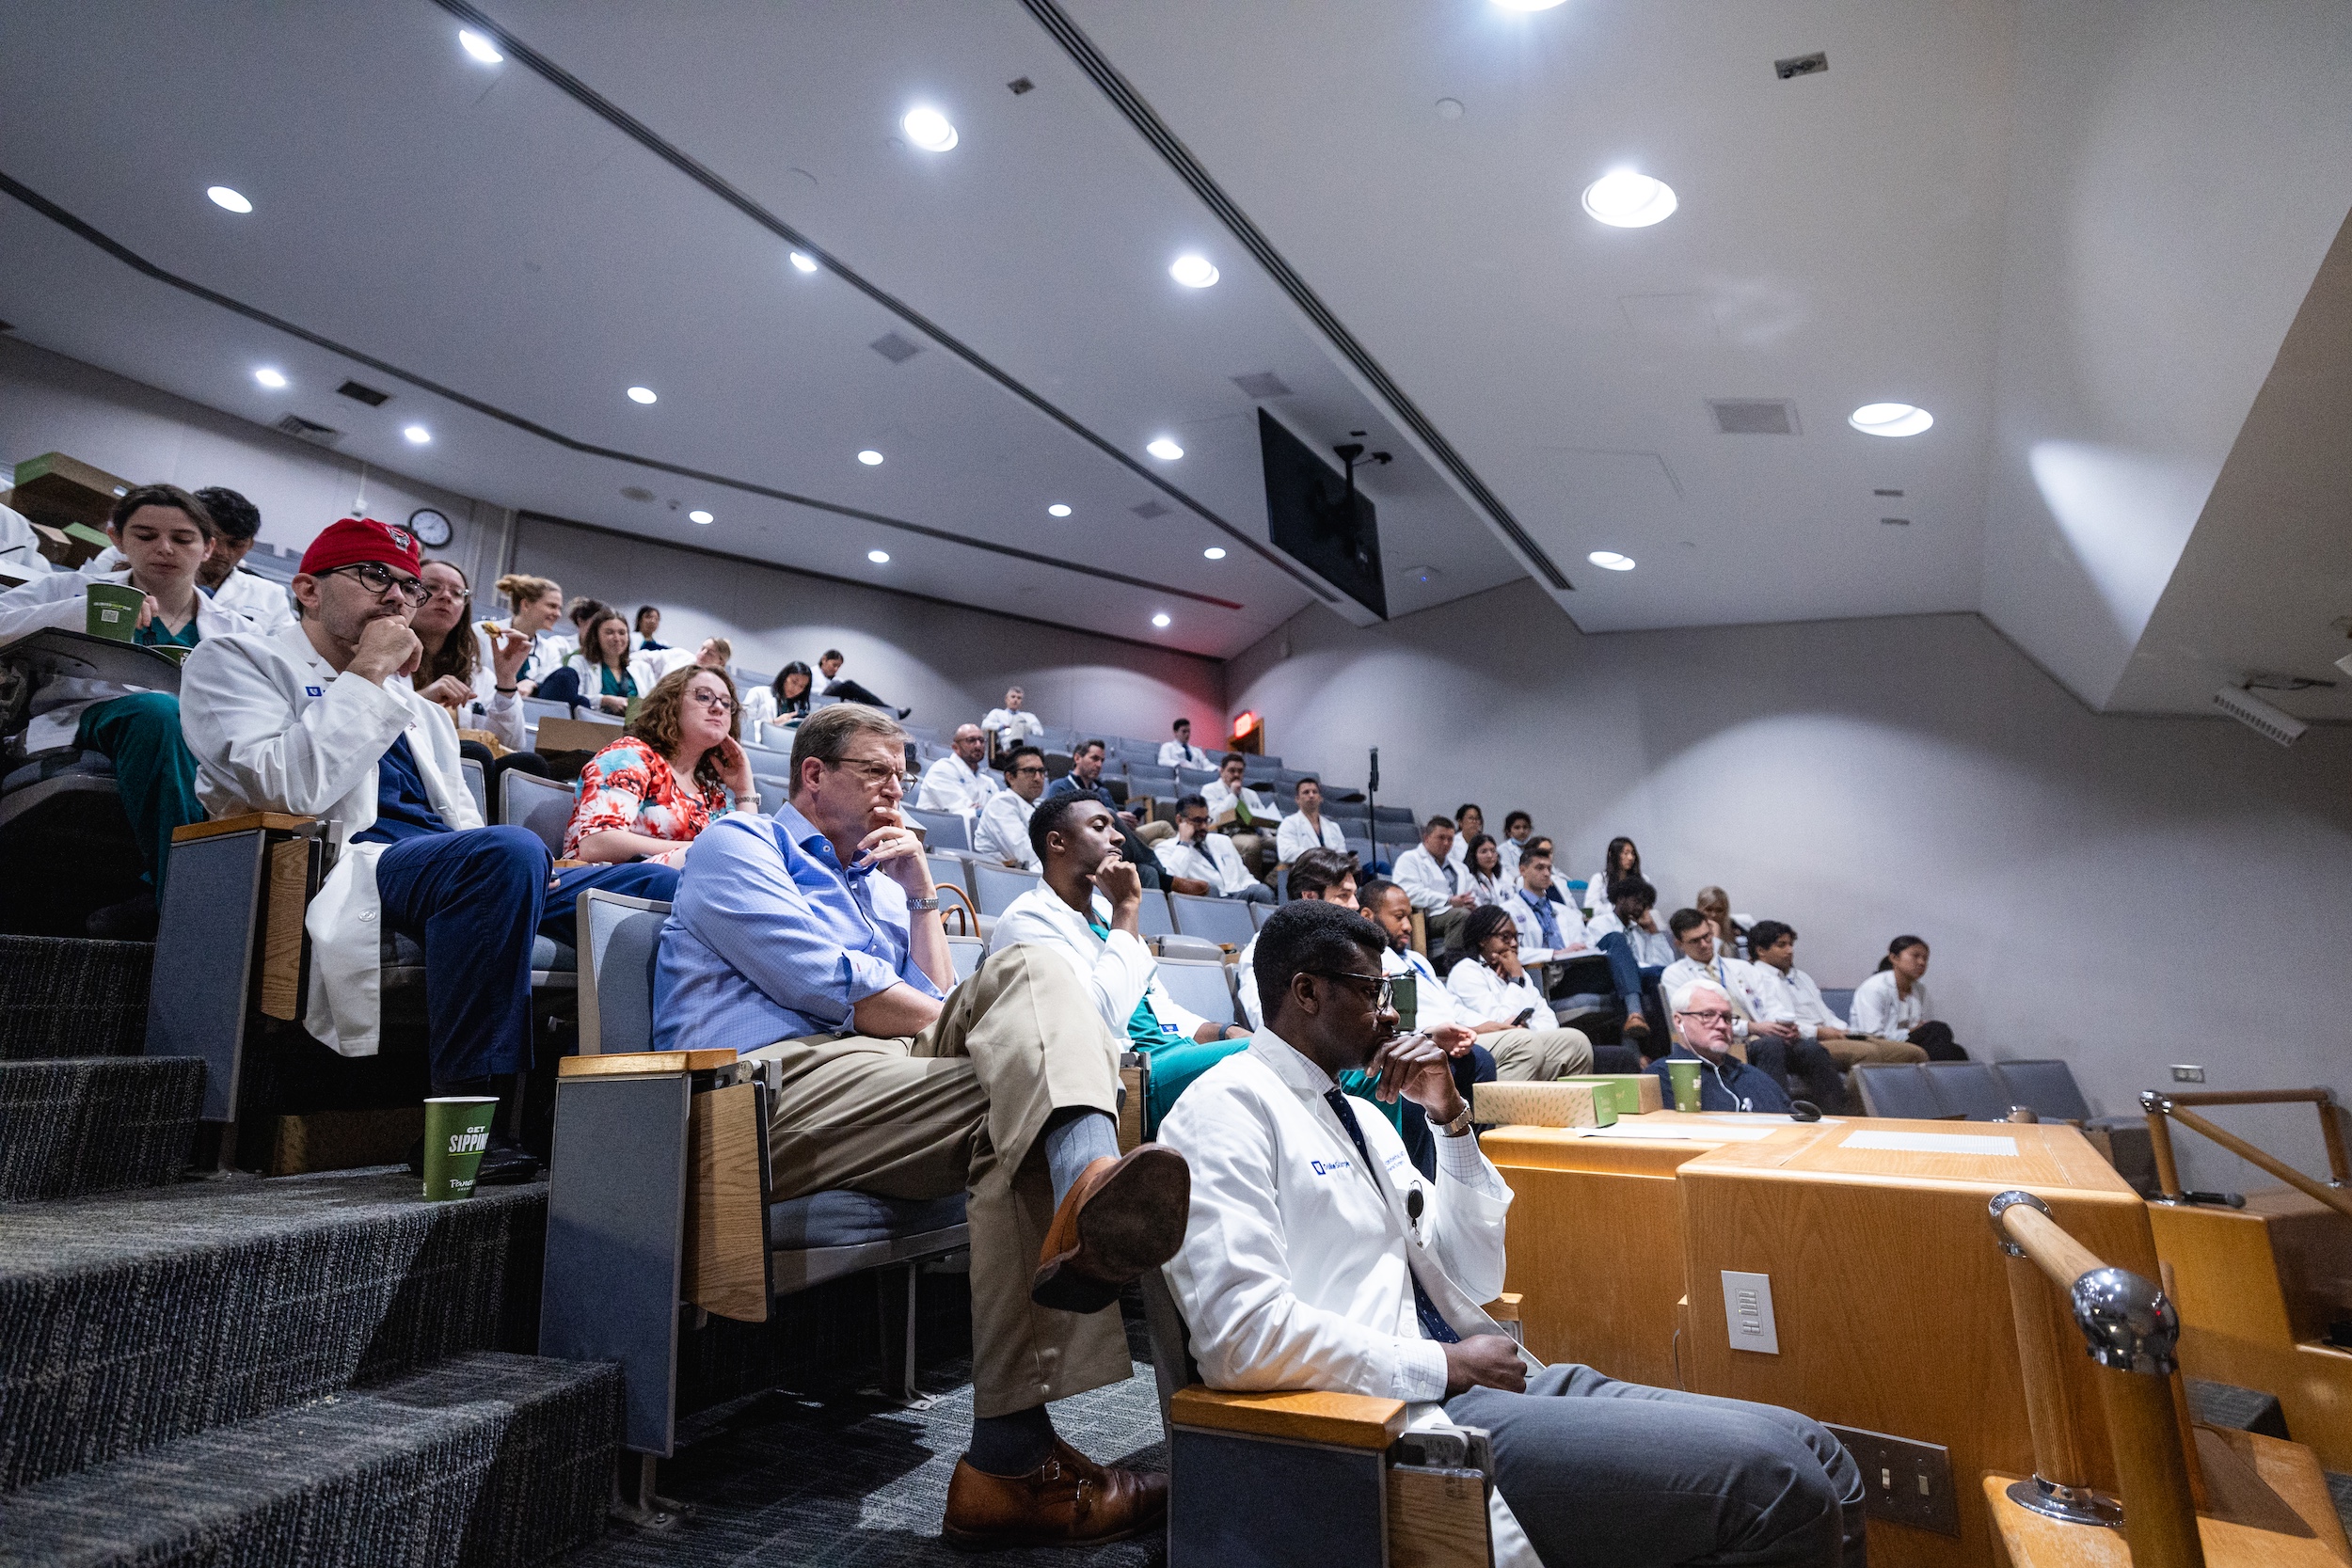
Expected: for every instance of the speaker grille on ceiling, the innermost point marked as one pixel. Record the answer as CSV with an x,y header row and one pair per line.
x,y
1262,384
1754,416
368,395
895,348
1148,510
308,430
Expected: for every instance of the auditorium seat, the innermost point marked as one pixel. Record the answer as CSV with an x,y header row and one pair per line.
x,y
1153,917
967,952
541,805
477,786
1985,1091
611,1308
950,870
942,830
1222,920
1206,989
1838,1000
994,887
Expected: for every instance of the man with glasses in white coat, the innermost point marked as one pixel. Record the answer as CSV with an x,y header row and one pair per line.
x,y
1317,1259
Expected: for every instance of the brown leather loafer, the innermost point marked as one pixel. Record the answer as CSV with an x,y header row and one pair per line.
x,y
1121,1218
1069,1500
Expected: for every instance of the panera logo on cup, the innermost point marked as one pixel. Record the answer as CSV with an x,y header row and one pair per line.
x,y
456,1131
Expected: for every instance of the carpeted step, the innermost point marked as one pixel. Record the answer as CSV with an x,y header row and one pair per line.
x,y
488,1458
94,1124
135,1319
68,996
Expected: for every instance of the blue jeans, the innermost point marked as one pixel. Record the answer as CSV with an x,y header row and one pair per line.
x,y
1636,986
1604,1474
475,900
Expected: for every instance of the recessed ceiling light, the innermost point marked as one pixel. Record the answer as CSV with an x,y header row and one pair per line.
x,y
1448,108
418,436
1890,419
1057,510
1527,5
478,47
1624,199
699,517
1160,620
272,379
640,394
1193,271
928,129
869,457
806,263
880,557
234,200
1164,448
1610,561
1215,552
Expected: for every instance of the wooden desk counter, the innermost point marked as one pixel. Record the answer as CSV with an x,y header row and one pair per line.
x,y
1889,1294
1595,1233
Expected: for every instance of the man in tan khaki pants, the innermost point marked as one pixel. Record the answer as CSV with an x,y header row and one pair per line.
x,y
812,941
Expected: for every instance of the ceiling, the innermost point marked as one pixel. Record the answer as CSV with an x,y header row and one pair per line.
x,y
507,247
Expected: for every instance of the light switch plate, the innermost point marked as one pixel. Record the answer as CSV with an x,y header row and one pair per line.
x,y
1748,1308
1904,1482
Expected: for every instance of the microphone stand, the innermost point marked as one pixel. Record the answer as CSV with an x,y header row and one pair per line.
x,y
1372,802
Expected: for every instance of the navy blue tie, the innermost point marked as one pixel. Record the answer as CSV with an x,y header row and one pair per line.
x,y
1433,1324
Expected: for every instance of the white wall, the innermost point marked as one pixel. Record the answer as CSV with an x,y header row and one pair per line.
x,y
950,665
2124,891
51,403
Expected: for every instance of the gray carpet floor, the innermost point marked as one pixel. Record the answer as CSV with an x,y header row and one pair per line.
x,y
778,1479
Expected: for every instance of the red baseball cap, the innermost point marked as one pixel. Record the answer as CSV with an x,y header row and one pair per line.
x,y
353,541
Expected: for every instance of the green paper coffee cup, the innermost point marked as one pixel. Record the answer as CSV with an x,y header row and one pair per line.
x,y
1404,993
114,610
456,1129
1686,1082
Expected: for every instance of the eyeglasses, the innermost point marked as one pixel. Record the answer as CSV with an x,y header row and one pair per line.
x,y
378,580
1710,1015
718,701
1028,767
454,596
1384,990
873,772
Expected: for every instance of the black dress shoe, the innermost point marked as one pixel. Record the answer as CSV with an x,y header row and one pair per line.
x,y
132,920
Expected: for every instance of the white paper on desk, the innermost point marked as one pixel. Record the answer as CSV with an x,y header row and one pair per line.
x,y
1933,1143
1684,1129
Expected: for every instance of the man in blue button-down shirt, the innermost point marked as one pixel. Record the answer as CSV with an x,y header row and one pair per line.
x,y
814,938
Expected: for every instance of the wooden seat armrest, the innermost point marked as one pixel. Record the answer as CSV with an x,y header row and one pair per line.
x,y
252,821
631,1064
1340,1421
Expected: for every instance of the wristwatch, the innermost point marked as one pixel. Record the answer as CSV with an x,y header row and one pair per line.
x,y
1459,1125
930,903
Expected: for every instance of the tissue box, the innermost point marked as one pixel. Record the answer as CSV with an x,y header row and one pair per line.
x,y
1554,1104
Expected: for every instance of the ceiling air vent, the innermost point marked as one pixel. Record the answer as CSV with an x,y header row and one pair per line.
x,y
1148,510
1895,522
368,395
635,493
308,430
1020,85
895,348
1261,384
1754,416
1801,65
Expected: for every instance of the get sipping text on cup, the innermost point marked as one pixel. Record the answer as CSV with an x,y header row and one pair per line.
x,y
456,1129
1686,1082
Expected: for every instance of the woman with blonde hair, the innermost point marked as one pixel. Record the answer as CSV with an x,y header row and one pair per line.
x,y
1731,937
539,605
651,793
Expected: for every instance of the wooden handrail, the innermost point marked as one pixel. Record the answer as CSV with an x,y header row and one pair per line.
x,y
2129,1328
2163,1109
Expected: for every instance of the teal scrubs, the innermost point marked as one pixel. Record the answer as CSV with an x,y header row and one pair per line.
x,y
154,772
1174,1060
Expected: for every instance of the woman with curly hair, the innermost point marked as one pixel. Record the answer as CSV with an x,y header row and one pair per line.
x,y
651,793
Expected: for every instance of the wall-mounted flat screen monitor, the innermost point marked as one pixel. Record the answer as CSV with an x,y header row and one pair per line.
x,y
1313,516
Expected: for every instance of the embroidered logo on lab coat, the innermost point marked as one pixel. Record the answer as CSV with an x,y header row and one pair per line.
x,y
314,692
1328,1167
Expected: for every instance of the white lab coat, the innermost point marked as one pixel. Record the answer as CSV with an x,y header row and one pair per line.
x,y
950,783
1211,858
1116,971
1424,880
1482,994
1878,1010
265,603
1002,832
62,599
1012,726
1732,977
1246,985
274,728
1573,935
1649,947
19,547
641,669
1298,1263
492,711
1296,835
1433,1004
1793,998
1175,754
1221,799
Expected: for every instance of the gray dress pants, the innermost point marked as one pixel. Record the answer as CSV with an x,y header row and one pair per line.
x,y
1604,1474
